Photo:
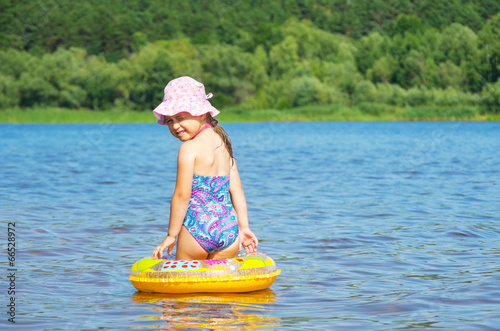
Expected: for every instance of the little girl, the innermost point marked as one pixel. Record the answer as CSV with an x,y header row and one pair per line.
x,y
208,212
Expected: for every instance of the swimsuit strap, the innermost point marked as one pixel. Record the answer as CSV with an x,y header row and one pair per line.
x,y
206,126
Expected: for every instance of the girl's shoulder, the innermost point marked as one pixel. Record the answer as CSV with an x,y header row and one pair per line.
x,y
193,148
192,145
188,150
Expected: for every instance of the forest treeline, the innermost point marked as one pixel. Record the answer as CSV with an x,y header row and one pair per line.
x,y
251,54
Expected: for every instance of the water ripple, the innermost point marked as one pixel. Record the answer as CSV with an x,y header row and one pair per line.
x,y
376,226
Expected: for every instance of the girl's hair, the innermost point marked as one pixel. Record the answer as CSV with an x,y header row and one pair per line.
x,y
222,133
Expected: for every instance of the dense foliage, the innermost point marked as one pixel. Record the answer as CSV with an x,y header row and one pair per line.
x,y
252,54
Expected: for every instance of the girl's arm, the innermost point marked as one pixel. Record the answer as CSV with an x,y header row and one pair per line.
x,y
180,199
247,239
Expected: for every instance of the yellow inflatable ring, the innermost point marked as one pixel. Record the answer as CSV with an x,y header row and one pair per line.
x,y
241,274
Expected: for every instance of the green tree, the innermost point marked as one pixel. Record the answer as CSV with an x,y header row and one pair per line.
x,y
225,72
413,70
450,75
284,57
148,73
369,49
389,94
311,41
183,57
14,63
53,80
406,24
364,92
258,68
305,90
383,70
457,43
439,13
9,91
341,76
101,81
490,49
309,90
491,97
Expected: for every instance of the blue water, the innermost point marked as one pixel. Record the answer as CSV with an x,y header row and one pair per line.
x,y
375,226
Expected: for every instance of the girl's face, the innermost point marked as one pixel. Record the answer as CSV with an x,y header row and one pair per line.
x,y
184,126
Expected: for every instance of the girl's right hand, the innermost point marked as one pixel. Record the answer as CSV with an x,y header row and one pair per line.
x,y
167,242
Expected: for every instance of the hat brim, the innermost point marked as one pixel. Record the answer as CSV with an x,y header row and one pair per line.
x,y
195,108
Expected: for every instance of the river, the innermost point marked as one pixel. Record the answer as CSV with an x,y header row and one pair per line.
x,y
374,225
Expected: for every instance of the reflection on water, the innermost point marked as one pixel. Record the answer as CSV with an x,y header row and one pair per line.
x,y
239,311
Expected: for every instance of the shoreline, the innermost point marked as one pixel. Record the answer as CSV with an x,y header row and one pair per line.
x,y
303,114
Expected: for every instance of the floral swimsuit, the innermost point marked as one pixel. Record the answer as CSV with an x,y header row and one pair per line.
x,y
210,217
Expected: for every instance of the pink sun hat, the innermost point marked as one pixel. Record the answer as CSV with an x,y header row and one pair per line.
x,y
184,94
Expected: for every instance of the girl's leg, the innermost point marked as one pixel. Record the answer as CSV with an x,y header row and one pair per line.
x,y
229,252
188,248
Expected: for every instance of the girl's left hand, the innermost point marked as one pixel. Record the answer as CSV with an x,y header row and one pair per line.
x,y
167,242
248,240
